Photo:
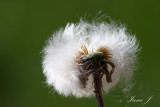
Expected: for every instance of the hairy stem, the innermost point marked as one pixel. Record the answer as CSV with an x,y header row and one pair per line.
x,y
98,86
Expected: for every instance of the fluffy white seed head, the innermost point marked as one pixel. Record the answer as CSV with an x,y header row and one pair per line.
x,y
59,65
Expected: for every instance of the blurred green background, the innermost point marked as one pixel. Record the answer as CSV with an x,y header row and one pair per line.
x,y
25,25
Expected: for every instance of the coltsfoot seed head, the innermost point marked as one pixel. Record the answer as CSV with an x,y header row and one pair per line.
x,y
73,53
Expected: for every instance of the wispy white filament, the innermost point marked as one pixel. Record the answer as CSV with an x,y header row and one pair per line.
x,y
59,65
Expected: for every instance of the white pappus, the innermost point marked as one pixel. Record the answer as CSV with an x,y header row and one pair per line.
x,y
59,65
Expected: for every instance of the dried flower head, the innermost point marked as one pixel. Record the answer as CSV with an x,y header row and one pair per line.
x,y
85,55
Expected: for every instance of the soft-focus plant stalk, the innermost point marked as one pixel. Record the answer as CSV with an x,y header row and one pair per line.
x,y
98,92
